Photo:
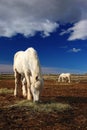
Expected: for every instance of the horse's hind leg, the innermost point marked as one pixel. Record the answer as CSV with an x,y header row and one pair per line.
x,y
24,87
17,81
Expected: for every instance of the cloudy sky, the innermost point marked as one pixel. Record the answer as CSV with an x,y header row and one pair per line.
x,y
57,29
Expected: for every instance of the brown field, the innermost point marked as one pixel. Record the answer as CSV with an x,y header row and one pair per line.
x,y
17,115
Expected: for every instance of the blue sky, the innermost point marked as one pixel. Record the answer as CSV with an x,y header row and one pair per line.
x,y
58,33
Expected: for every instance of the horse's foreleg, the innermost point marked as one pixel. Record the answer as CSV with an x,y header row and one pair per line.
x,y
24,87
29,96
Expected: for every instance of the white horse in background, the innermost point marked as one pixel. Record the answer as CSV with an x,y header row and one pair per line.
x,y
28,70
64,77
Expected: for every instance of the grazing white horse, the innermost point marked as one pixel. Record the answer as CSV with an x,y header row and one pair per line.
x,y
27,69
64,77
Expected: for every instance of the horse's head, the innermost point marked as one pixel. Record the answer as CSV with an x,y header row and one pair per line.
x,y
36,87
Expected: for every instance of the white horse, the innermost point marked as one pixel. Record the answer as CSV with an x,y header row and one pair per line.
x,y
27,69
64,77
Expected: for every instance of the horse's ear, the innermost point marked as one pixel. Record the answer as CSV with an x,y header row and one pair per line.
x,y
36,78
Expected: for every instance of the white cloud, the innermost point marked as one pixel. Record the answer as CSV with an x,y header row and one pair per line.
x,y
29,16
75,50
79,31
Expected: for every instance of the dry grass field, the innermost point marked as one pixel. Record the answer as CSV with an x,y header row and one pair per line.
x,y
63,106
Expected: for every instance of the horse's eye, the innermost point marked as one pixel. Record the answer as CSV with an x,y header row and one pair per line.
x,y
36,78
